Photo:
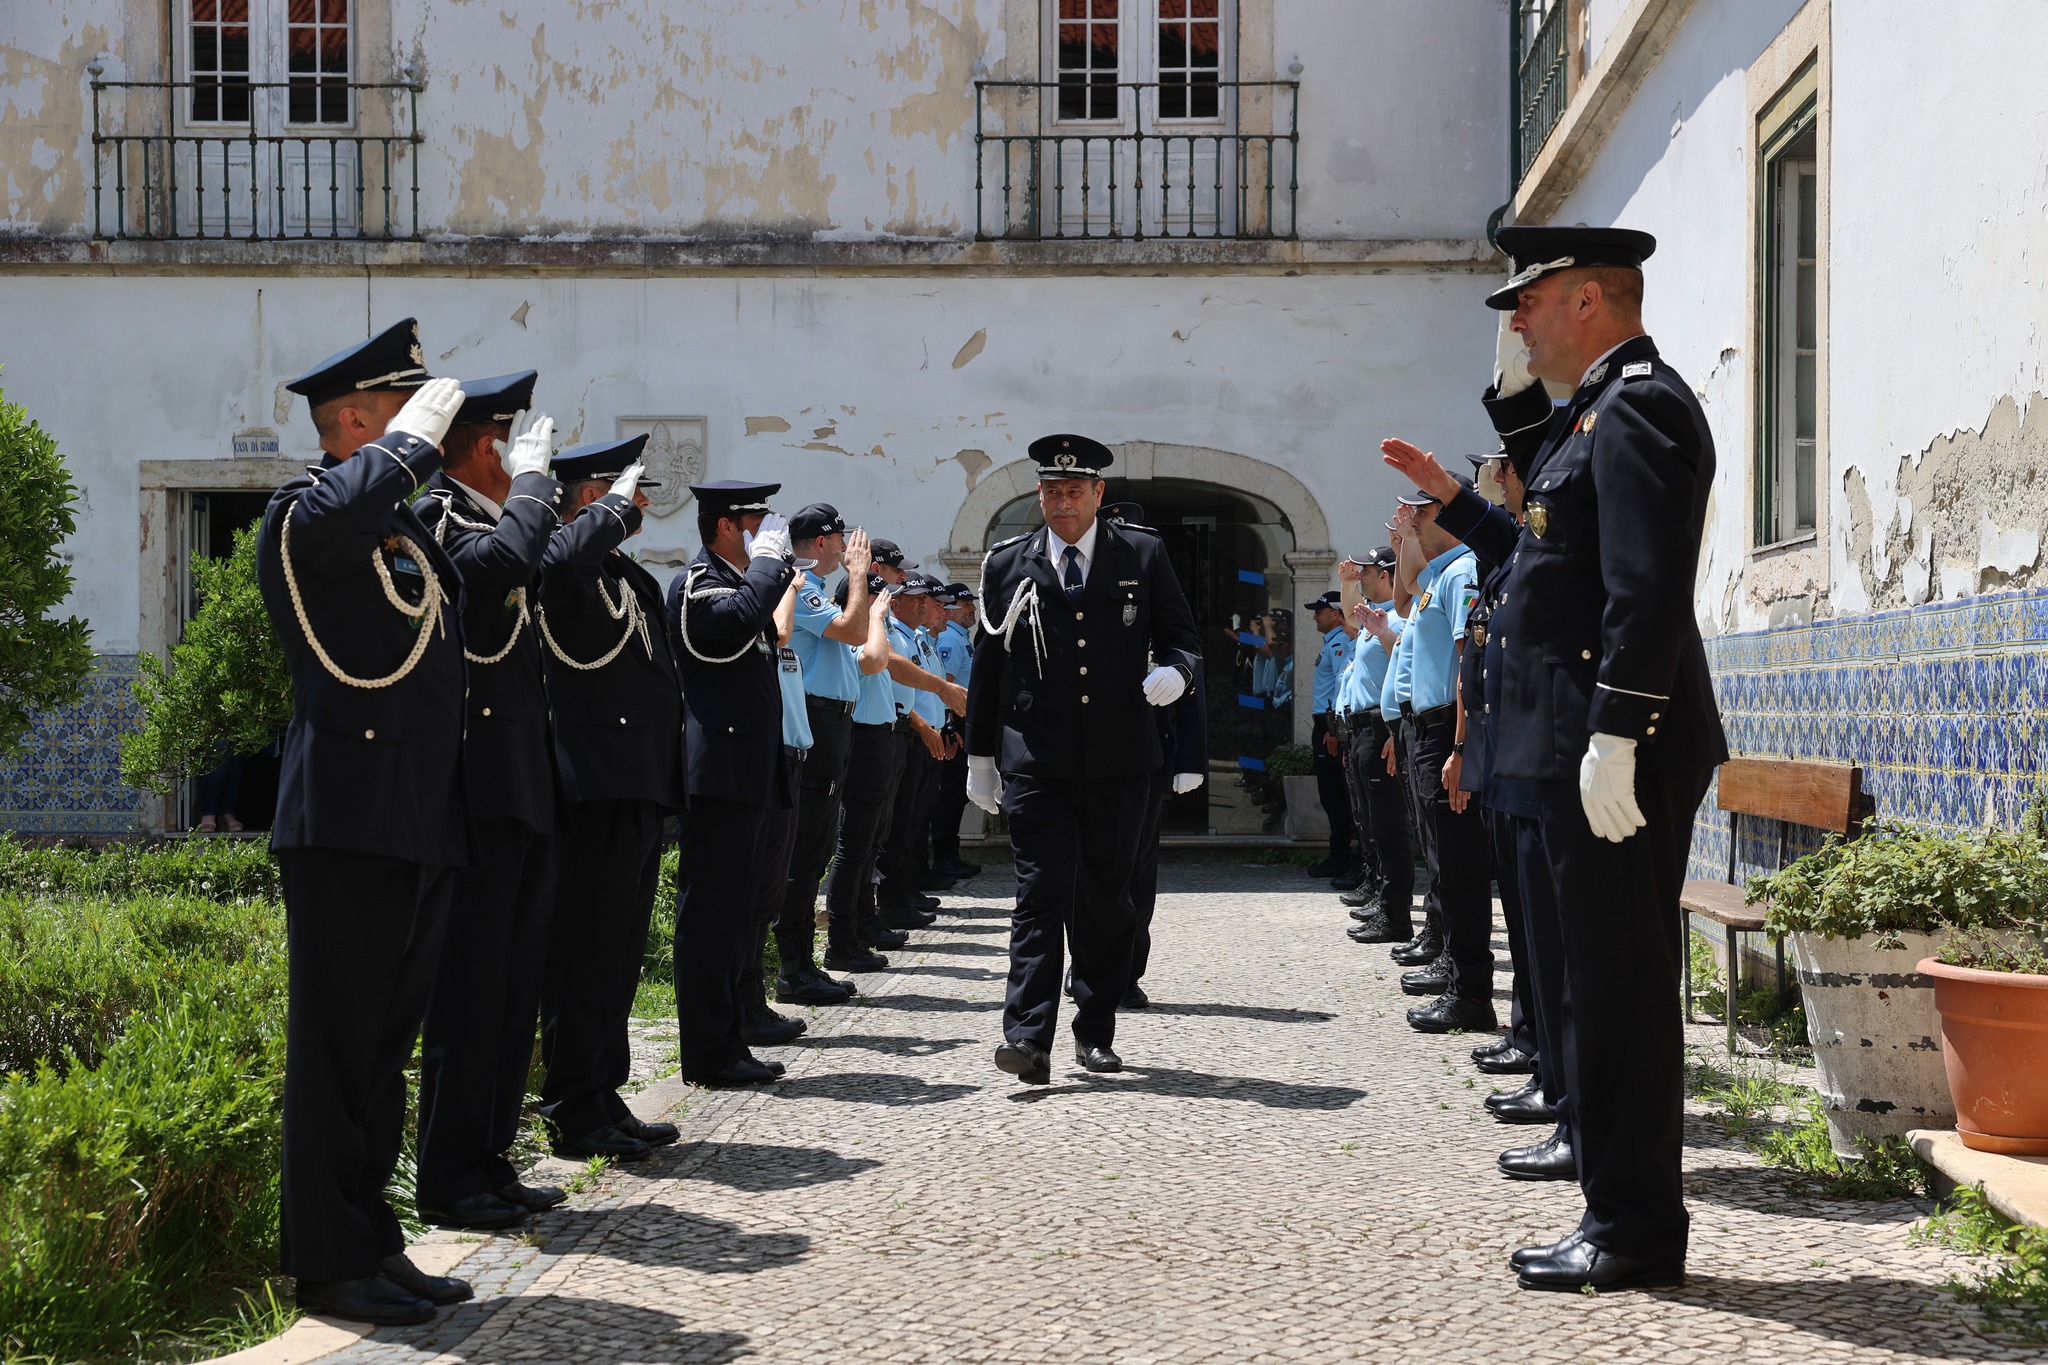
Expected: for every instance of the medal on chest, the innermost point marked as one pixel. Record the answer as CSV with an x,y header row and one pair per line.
x,y
1539,519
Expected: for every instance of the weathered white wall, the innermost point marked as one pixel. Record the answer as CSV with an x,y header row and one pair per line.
x,y
882,382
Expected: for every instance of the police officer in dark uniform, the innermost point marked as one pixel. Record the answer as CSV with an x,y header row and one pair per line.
x,y
1605,702
618,742
372,816
1084,629
721,612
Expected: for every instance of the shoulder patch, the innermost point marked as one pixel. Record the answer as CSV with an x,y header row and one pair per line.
x,y
1006,544
1636,369
813,600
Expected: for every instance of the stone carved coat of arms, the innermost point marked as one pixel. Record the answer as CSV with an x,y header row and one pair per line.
x,y
675,455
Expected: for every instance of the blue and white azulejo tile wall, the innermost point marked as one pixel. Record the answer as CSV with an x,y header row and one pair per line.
x,y
1944,706
66,778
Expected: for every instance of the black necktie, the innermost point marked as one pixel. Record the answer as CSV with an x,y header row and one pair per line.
x,y
1073,574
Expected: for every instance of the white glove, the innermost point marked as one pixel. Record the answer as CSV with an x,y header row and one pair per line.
x,y
1491,482
429,412
1183,783
984,784
1607,787
628,481
1163,686
533,445
1510,361
771,541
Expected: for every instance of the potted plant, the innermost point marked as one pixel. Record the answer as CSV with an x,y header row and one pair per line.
x,y
1295,767
1991,988
1858,915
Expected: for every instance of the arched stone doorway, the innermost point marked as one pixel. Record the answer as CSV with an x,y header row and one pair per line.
x,y
1248,539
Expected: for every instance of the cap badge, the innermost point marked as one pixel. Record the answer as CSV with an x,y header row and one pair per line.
x,y
419,357
1586,423
1539,519
1065,459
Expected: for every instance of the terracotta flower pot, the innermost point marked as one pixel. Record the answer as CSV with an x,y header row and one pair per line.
x,y
1994,1039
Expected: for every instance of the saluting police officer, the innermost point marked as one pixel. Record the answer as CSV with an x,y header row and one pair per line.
x,y
618,737
926,745
1383,903
494,508
873,768
372,816
1084,629
1327,611
1606,703
721,616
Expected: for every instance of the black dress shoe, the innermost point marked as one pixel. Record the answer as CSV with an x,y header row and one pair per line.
x,y
1135,999
745,1071
1365,896
766,1028
1524,1109
478,1212
808,988
536,1198
935,880
1434,979
1550,1159
1096,1057
373,1298
854,957
1530,1088
1329,867
1377,927
1350,880
606,1142
1494,1048
906,919
878,935
435,1289
959,867
1027,1061
1513,1062
1580,1265
653,1134
1528,1254
1448,1013
1425,947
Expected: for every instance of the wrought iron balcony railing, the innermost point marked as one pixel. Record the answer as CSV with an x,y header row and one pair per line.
x,y
1186,159
1540,78
157,173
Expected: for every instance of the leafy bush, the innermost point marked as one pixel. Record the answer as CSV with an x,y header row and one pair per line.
x,y
1885,1169
44,662
1290,760
224,870
226,684
2014,1292
140,1116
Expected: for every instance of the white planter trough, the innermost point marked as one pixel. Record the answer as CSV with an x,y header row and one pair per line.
x,y
1876,1037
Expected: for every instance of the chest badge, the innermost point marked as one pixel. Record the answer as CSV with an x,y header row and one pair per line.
x,y
1130,613
1586,423
1422,603
1539,517
1477,632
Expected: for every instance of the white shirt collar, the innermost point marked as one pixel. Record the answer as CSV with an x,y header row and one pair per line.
x,y
495,512
1608,352
1056,548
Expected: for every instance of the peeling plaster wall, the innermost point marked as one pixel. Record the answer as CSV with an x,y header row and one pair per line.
x,y
46,110
869,393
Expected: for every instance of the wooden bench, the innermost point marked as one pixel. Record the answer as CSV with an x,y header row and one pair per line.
x,y
1814,793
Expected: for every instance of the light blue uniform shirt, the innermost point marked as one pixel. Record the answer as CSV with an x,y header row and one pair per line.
x,y
876,704
796,722
1394,688
903,640
1359,688
829,669
956,652
1438,625
1283,682
1330,661
927,704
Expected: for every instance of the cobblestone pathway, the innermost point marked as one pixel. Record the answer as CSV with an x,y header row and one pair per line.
x,y
1285,1173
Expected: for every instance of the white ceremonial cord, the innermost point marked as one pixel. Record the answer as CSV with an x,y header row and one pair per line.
x,y
1025,597
683,616
627,609
517,601
426,617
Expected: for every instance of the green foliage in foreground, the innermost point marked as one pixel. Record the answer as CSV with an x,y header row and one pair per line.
x,y
2014,1291
1782,1123
44,662
139,1119
226,683
224,870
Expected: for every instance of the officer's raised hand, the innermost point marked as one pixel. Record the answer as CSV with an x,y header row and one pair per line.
x,y
532,445
430,411
1163,685
770,540
1510,360
1607,787
1420,468
627,485
859,556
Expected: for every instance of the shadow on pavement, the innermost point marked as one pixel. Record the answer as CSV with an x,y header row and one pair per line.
x,y
1264,1014
639,1333
896,1044
1199,1085
1867,1310
872,1087
655,1234
962,949
760,1167
952,972
1767,1189
930,1004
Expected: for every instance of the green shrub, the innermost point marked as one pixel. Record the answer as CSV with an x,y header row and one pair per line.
x,y
1290,760
44,661
2014,1291
219,869
1887,1168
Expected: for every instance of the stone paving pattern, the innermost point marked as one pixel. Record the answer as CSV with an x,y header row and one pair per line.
x,y
1285,1172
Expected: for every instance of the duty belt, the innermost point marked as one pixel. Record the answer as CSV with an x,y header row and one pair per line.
x,y
832,705
1360,719
1339,725
1435,715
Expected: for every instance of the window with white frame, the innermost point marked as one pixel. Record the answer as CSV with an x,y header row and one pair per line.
x,y
302,49
1179,46
1789,275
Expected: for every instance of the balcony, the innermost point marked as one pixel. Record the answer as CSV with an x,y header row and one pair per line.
x,y
1150,160
244,160
1541,77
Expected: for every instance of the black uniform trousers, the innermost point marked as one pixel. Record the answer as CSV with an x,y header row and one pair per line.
x,y
1543,945
716,893
949,804
477,1046
1622,942
1523,1029
872,774
816,826
363,933
1145,883
907,820
1385,823
608,865
774,862
1075,841
1459,858
1330,789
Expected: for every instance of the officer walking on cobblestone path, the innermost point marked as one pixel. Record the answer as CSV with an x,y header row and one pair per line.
x,y
874,767
1084,628
721,611
372,814
496,510
1607,706
618,742
1383,902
